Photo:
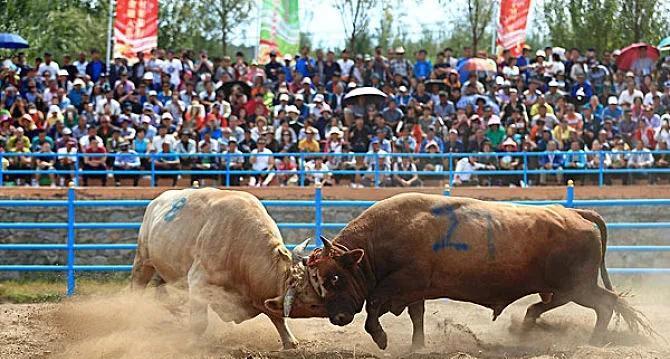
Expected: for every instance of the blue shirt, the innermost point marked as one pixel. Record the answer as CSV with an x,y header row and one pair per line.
x,y
587,89
302,66
129,158
422,69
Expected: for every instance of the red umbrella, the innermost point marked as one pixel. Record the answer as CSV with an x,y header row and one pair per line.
x,y
631,54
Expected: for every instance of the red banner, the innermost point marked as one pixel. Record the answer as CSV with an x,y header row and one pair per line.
x,y
135,27
512,25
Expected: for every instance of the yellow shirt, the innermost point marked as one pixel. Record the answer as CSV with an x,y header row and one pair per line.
x,y
309,146
535,109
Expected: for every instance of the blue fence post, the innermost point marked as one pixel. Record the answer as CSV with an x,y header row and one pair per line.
x,y
301,168
525,168
447,190
317,213
70,238
228,169
451,169
153,169
2,172
376,159
75,177
570,194
601,168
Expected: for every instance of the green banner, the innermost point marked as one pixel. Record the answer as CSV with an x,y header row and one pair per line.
x,y
279,28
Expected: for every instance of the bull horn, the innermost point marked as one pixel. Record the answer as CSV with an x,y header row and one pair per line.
x,y
327,245
288,301
298,251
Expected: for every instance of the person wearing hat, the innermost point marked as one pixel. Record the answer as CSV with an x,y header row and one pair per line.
x,y
628,96
67,149
309,142
433,138
186,147
494,132
399,65
125,160
77,93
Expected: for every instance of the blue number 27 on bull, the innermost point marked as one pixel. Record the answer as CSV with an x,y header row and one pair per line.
x,y
446,240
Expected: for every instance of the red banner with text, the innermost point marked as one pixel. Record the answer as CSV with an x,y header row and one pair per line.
x,y
135,27
512,25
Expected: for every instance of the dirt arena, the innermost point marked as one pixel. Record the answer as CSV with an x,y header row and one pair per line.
x,y
127,326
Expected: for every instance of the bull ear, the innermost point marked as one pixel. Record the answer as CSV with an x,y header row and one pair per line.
x,y
353,257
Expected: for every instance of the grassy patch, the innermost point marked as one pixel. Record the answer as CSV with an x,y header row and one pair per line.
x,y
41,290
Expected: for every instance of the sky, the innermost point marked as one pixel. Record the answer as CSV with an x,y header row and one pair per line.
x,y
320,19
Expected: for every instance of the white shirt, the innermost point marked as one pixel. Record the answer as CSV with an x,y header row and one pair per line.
x,y
52,67
174,68
345,67
81,67
261,162
83,141
63,151
318,177
464,165
627,97
157,142
649,97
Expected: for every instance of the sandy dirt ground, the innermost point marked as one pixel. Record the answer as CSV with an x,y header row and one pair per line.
x,y
131,326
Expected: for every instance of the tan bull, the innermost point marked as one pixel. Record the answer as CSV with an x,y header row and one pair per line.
x,y
231,254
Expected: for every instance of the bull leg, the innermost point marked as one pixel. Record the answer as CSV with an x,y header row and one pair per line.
x,y
142,273
416,311
603,302
536,310
372,325
287,338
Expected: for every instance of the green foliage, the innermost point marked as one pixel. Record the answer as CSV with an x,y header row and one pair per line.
x,y
604,24
62,27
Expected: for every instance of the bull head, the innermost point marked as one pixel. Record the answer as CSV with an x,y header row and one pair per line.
x,y
297,254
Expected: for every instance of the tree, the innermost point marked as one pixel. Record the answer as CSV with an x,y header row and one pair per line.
x,y
479,15
646,20
355,17
222,16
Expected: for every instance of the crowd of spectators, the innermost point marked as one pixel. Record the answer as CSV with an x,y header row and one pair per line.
x,y
175,105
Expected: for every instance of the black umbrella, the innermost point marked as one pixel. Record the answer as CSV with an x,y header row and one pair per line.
x,y
370,95
227,88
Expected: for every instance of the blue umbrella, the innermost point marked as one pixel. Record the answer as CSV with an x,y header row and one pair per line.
x,y
12,41
664,45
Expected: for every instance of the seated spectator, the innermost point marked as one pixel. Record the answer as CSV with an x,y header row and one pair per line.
x,y
264,164
186,147
325,177
287,174
661,160
126,160
41,139
334,144
599,159
166,160
402,178
233,161
463,173
640,158
551,162
205,163
44,161
96,161
575,159
66,161
511,162
17,162
495,133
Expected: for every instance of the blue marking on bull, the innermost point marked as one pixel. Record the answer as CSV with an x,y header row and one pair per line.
x,y
175,209
446,241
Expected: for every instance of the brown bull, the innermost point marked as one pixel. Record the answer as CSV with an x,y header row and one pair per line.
x,y
231,254
413,247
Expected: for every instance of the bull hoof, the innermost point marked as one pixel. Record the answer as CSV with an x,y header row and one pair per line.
x,y
380,339
290,345
417,347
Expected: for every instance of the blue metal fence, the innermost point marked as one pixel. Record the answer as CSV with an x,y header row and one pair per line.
x,y
71,204
375,171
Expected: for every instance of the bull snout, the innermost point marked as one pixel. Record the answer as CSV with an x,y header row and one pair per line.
x,y
341,319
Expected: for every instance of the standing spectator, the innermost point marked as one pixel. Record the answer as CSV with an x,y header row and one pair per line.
x,y
422,67
95,68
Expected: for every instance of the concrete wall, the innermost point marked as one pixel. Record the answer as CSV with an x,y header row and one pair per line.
x,y
280,214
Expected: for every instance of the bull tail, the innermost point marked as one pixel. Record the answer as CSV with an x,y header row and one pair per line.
x,y
596,218
635,320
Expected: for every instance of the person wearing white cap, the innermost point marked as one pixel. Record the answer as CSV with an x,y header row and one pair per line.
x,y
318,106
283,105
554,93
613,110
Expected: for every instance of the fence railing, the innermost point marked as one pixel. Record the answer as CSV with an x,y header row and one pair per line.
x,y
71,226
527,166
